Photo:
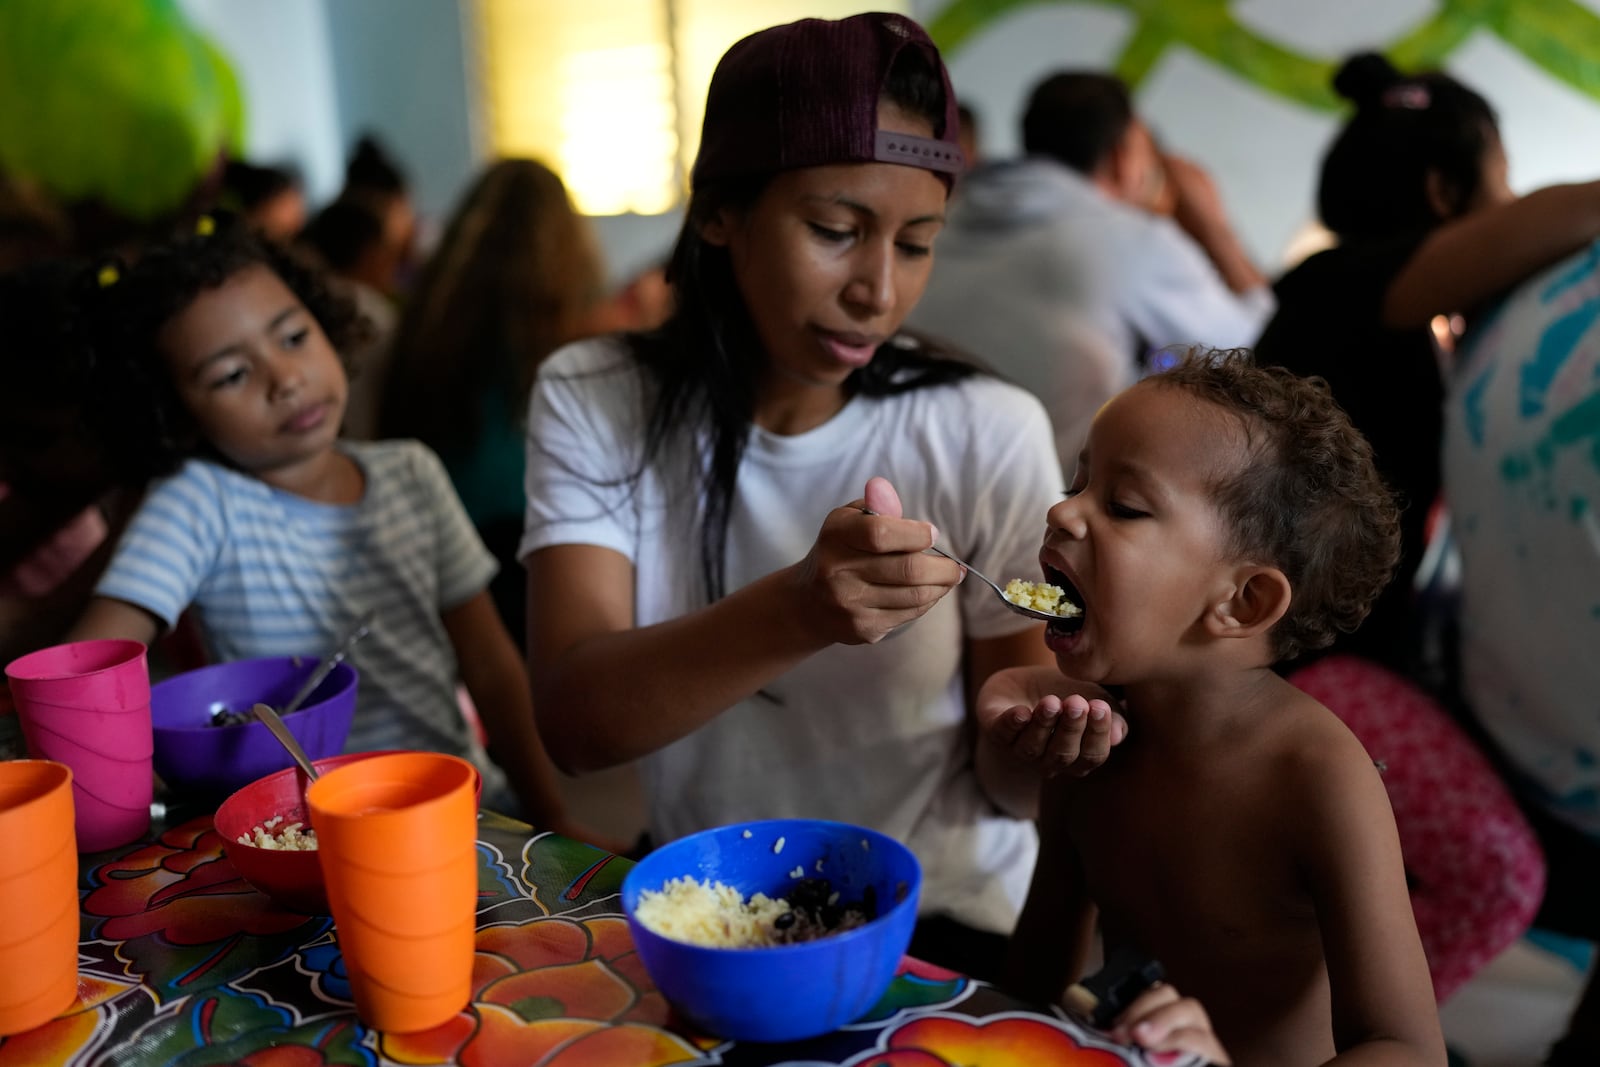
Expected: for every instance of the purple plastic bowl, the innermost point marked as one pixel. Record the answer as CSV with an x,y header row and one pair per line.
x,y
193,756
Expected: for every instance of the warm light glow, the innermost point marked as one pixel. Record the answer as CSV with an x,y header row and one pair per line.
x,y
706,29
599,92
618,149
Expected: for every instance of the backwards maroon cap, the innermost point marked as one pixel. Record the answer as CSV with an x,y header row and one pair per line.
x,y
805,94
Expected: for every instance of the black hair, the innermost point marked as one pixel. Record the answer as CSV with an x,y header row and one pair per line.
x,y
1307,499
1077,117
130,314
372,170
58,451
246,186
33,227
967,117
342,232
1375,175
517,274
706,361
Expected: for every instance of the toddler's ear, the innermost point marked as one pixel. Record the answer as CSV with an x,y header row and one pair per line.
x,y
1259,598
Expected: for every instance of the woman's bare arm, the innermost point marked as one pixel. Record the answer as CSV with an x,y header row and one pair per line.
x,y
1470,259
606,692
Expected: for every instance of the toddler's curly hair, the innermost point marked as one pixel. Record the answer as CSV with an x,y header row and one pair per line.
x,y
131,311
1308,500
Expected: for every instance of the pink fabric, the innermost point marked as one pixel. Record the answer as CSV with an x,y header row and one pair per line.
x,y
1476,870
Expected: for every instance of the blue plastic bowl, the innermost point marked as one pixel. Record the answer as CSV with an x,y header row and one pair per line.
x,y
783,992
193,756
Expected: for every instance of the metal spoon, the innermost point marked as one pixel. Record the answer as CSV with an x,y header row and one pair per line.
x,y
1032,613
270,719
357,632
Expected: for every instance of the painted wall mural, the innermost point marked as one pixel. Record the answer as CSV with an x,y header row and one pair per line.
x,y
1562,37
1243,86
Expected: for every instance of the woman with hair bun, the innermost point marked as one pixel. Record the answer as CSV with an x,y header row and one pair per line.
x,y
1415,190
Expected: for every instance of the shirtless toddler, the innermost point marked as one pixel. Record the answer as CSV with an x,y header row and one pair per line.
x,y
1223,517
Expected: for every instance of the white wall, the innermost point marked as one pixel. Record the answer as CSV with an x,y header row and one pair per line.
x,y
317,72
282,55
401,73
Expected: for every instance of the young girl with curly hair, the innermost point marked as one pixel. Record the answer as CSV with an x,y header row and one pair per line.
x,y
277,535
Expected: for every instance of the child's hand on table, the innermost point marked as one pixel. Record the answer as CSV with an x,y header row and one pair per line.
x,y
1163,1021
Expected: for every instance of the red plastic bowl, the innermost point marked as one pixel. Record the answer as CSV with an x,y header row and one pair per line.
x,y
292,879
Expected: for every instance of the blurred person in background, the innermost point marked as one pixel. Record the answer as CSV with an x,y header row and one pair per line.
x,y
129,113
33,228
516,275
642,303
373,179
971,135
346,239
269,200
68,481
1415,189
1072,269
1522,478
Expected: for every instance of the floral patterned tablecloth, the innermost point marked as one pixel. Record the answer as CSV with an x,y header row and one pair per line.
x,y
182,963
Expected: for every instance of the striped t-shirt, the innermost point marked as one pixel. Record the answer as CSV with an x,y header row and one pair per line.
x,y
269,573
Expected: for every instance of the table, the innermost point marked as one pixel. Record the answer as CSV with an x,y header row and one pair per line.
x,y
182,963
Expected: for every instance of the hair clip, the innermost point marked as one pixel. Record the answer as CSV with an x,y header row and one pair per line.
x,y
108,276
205,226
1409,96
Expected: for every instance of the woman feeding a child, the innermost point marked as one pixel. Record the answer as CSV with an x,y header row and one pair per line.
x,y
677,482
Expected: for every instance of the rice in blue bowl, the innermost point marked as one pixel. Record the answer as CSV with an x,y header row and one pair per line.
x,y
742,987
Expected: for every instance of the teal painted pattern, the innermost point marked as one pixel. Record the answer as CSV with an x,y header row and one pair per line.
x,y
1522,457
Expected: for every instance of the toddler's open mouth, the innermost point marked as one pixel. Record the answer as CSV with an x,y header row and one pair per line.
x,y
1068,624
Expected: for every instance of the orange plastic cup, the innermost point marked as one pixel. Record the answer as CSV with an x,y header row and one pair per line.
x,y
38,894
87,704
397,841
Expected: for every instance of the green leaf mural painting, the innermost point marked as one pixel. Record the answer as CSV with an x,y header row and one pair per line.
x,y
1562,37
116,101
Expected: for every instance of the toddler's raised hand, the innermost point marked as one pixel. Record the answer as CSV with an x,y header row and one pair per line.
x,y
1061,734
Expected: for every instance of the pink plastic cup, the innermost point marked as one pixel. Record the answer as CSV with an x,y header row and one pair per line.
x,y
87,705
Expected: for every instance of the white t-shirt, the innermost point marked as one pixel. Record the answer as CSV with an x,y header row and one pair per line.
x,y
875,735
1522,477
1067,292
